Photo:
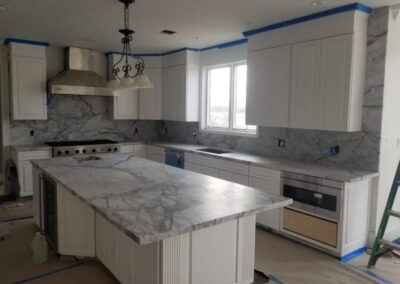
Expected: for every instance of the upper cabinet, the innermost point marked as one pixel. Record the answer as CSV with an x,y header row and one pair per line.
x,y
180,86
312,80
28,81
140,103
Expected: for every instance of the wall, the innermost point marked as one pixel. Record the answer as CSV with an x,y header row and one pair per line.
x,y
358,150
390,141
78,117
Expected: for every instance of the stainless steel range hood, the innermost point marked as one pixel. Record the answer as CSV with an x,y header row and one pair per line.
x,y
79,77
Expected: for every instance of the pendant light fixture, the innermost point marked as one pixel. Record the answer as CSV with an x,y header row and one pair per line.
x,y
130,79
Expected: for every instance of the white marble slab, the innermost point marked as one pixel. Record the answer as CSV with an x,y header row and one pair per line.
x,y
152,201
332,173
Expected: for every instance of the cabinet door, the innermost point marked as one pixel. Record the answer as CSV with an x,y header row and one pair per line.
x,y
272,218
28,88
25,178
76,225
335,83
306,58
256,85
139,151
125,105
174,93
168,90
150,99
233,177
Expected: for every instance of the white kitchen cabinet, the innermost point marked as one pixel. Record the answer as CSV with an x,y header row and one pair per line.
x,y
22,160
150,99
306,61
268,87
180,87
28,81
76,225
125,105
138,150
155,153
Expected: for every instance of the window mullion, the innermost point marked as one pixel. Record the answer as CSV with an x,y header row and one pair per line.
x,y
232,97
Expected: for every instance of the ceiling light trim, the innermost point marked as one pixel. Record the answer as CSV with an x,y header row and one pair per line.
x,y
351,7
25,41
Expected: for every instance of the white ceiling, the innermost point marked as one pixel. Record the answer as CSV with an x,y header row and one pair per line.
x,y
199,23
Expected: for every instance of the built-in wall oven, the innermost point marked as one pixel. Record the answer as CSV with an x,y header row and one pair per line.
x,y
49,210
316,209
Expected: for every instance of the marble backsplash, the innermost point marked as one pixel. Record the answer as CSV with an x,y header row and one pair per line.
x,y
79,118
357,150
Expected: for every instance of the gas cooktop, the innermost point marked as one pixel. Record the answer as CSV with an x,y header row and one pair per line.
x,y
69,148
80,143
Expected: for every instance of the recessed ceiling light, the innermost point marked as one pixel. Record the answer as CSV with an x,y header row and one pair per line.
x,y
316,3
168,32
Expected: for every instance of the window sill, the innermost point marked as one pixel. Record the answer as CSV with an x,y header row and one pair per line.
x,y
230,133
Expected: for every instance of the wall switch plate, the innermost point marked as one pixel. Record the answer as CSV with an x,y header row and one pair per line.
x,y
334,150
32,133
136,131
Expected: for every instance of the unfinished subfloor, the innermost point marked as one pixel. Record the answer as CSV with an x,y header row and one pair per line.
x,y
287,261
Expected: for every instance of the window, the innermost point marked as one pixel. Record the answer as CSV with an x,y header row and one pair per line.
x,y
225,99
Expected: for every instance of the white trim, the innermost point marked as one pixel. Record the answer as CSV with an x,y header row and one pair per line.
x,y
204,107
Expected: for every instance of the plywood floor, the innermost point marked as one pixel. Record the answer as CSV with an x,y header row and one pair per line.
x,y
287,261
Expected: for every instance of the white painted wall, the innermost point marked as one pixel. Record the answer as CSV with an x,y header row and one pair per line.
x,y
390,135
225,55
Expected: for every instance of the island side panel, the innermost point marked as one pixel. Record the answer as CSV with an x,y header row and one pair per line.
x,y
221,254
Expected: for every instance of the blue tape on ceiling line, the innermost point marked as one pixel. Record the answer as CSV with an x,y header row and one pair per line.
x,y
338,10
24,41
142,55
226,45
179,50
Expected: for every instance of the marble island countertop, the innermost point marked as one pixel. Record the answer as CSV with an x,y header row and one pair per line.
x,y
340,174
150,201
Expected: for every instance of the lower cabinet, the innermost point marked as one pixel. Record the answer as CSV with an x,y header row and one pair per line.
x,y
138,150
120,254
155,153
76,225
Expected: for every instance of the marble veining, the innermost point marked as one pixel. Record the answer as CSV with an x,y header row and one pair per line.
x,y
335,173
359,151
150,201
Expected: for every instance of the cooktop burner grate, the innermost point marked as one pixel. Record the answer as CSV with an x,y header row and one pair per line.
x,y
80,143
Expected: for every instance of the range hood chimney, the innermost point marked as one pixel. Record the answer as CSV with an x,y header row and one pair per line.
x,y
79,76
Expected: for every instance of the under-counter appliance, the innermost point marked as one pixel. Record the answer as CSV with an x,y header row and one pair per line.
x,y
82,147
175,158
49,210
316,209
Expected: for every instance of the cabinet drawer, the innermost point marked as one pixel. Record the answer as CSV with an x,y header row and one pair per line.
x,y
265,185
139,151
232,177
263,173
311,227
233,167
201,169
126,148
155,150
27,156
156,158
201,160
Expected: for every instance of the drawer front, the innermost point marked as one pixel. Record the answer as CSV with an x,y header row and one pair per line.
x,y
201,169
232,177
154,150
126,148
27,156
201,160
156,158
311,227
263,173
265,185
233,167
140,151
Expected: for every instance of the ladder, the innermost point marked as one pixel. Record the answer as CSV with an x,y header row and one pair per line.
x,y
382,246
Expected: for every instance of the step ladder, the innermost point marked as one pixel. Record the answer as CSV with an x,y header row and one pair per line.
x,y
382,246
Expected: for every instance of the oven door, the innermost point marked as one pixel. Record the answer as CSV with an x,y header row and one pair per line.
x,y
319,200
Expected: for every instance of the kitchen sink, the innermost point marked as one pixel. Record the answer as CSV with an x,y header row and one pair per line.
x,y
213,151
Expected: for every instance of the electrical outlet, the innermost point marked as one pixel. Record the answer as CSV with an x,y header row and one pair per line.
x,y
136,131
334,150
281,143
32,133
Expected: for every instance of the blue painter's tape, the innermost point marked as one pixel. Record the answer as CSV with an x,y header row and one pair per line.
x,y
353,254
179,50
24,41
369,274
226,45
273,279
30,279
338,10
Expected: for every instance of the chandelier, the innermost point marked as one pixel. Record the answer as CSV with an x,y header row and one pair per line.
x,y
130,79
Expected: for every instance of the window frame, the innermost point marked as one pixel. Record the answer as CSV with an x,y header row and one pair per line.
x,y
205,112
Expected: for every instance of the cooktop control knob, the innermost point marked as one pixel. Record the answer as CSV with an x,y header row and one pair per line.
x,y
109,149
66,152
115,149
94,150
84,151
59,153
77,151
